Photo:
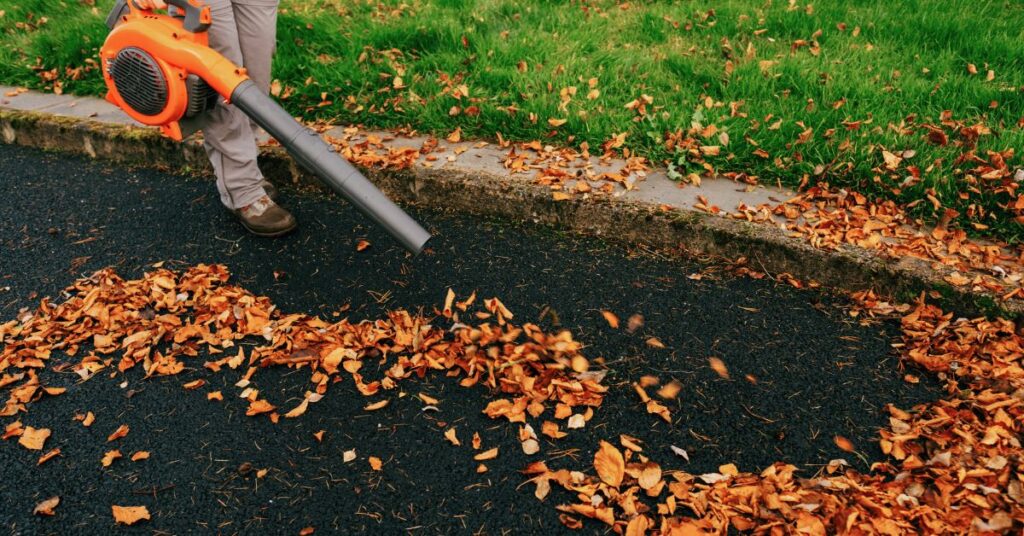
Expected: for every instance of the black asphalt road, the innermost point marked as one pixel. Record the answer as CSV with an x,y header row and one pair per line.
x,y
820,374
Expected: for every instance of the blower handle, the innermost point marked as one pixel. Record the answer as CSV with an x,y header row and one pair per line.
x,y
317,156
197,13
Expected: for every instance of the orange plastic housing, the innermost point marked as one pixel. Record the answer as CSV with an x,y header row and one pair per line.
x,y
178,53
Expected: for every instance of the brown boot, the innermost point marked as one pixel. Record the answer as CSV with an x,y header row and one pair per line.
x,y
271,190
266,218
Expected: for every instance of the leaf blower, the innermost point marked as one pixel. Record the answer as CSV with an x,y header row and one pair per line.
x,y
161,71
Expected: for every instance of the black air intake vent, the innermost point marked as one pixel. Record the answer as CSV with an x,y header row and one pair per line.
x,y
139,81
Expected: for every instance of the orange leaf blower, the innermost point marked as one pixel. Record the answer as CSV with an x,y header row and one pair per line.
x,y
160,70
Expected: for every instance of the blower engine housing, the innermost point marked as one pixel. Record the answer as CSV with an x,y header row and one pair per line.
x,y
144,63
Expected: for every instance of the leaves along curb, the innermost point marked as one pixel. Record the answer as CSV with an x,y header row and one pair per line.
x,y
479,192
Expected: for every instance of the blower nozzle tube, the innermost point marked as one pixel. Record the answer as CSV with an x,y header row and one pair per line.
x,y
317,156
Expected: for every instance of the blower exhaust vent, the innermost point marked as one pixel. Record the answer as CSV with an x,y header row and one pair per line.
x,y
139,81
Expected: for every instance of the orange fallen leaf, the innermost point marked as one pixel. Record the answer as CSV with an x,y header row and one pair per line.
x,y
634,323
34,438
609,464
612,320
630,443
843,443
49,456
375,463
119,433
660,410
297,411
428,399
670,390
362,245
487,455
377,405
719,367
451,437
655,342
45,508
215,395
551,430
193,385
129,515
140,455
319,436
257,407
110,456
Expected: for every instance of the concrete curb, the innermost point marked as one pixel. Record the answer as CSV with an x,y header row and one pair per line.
x,y
477,192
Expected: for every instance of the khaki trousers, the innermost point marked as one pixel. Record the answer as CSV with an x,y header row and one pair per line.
x,y
245,32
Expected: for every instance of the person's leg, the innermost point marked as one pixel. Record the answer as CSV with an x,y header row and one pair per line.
x,y
256,21
227,132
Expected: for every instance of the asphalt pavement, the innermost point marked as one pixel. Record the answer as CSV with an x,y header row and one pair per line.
x,y
819,372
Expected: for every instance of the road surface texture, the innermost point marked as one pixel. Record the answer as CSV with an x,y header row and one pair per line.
x,y
819,373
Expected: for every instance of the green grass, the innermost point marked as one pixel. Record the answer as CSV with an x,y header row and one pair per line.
x,y
906,59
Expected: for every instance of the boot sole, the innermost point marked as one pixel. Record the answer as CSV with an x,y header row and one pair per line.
x,y
270,234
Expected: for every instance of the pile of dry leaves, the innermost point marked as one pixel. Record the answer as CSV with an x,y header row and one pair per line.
x,y
955,466
165,318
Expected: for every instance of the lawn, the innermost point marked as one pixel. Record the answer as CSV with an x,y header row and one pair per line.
x,y
903,100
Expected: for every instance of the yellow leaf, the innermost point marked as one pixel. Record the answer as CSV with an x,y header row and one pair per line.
x,y
556,122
